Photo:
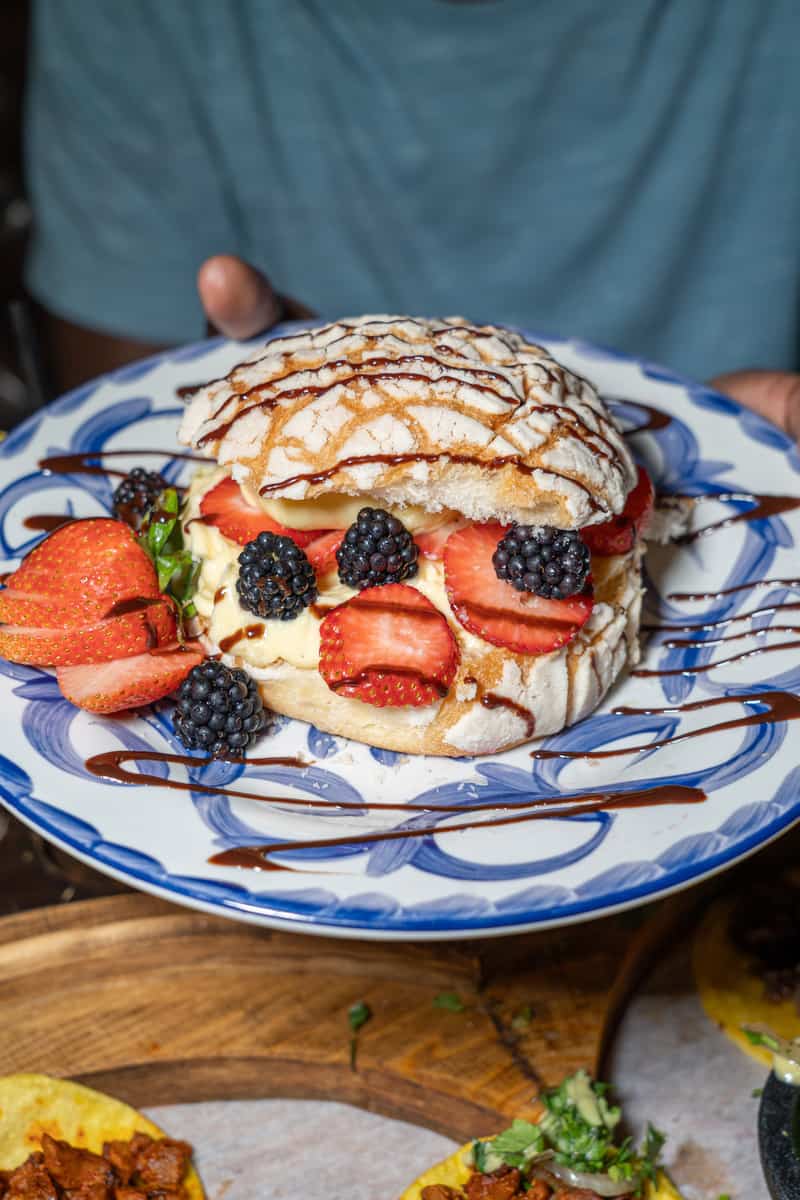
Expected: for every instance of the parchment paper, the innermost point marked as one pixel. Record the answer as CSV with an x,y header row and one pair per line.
x,y
670,1064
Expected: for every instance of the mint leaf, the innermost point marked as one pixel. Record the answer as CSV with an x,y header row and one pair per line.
x,y
161,537
450,1001
160,520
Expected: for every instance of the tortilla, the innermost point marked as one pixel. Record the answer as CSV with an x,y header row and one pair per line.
x,y
32,1105
731,992
453,1172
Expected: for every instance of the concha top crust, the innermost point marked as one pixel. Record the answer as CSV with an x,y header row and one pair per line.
x,y
438,413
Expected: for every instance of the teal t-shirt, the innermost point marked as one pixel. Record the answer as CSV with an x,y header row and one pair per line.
x,y
626,172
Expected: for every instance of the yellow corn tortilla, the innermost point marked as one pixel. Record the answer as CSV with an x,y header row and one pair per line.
x,y
731,994
32,1105
454,1172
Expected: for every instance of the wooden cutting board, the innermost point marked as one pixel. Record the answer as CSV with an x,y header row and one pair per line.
x,y
160,1005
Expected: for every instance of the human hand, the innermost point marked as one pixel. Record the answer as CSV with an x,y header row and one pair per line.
x,y
239,301
774,394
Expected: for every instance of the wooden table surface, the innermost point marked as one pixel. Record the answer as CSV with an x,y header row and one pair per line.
x,y
664,1034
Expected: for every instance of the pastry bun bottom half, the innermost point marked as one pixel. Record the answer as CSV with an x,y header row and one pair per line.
x,y
498,699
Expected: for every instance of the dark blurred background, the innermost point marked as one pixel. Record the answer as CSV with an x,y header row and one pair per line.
x,y
19,381
33,873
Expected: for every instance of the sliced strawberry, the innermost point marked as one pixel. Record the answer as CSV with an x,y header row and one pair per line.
x,y
388,646
322,551
431,543
41,611
85,566
225,507
131,632
128,682
618,535
493,610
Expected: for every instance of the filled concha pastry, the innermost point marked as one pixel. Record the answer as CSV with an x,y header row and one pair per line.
x,y
420,534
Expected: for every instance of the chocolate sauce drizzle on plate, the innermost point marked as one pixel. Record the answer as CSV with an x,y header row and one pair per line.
x,y
655,418
741,635
762,506
695,626
731,591
700,668
259,857
47,522
87,463
775,706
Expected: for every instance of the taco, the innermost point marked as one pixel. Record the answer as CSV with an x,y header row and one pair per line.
x,y
60,1138
571,1153
746,962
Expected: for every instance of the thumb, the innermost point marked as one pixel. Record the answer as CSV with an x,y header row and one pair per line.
x,y
238,300
774,394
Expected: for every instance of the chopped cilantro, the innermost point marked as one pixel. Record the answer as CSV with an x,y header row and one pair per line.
x,y
479,1156
757,1037
577,1130
357,1015
654,1141
522,1019
516,1145
757,1093
449,1000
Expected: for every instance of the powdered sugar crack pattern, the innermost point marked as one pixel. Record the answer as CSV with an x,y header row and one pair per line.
x,y
479,881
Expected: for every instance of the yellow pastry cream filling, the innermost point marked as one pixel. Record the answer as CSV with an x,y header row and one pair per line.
x,y
261,643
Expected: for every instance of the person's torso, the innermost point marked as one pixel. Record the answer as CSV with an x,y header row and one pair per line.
x,y
622,172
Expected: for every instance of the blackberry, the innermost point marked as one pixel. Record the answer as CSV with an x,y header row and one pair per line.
x,y
275,577
219,709
376,549
552,563
138,491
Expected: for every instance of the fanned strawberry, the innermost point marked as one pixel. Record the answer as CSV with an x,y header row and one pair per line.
x,y
40,611
225,507
43,612
85,566
128,682
321,552
388,646
618,535
131,632
493,610
432,543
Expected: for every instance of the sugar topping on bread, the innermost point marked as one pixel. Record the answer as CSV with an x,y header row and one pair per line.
x,y
435,413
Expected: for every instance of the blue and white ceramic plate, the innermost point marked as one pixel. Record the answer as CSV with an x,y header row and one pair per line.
x,y
568,867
